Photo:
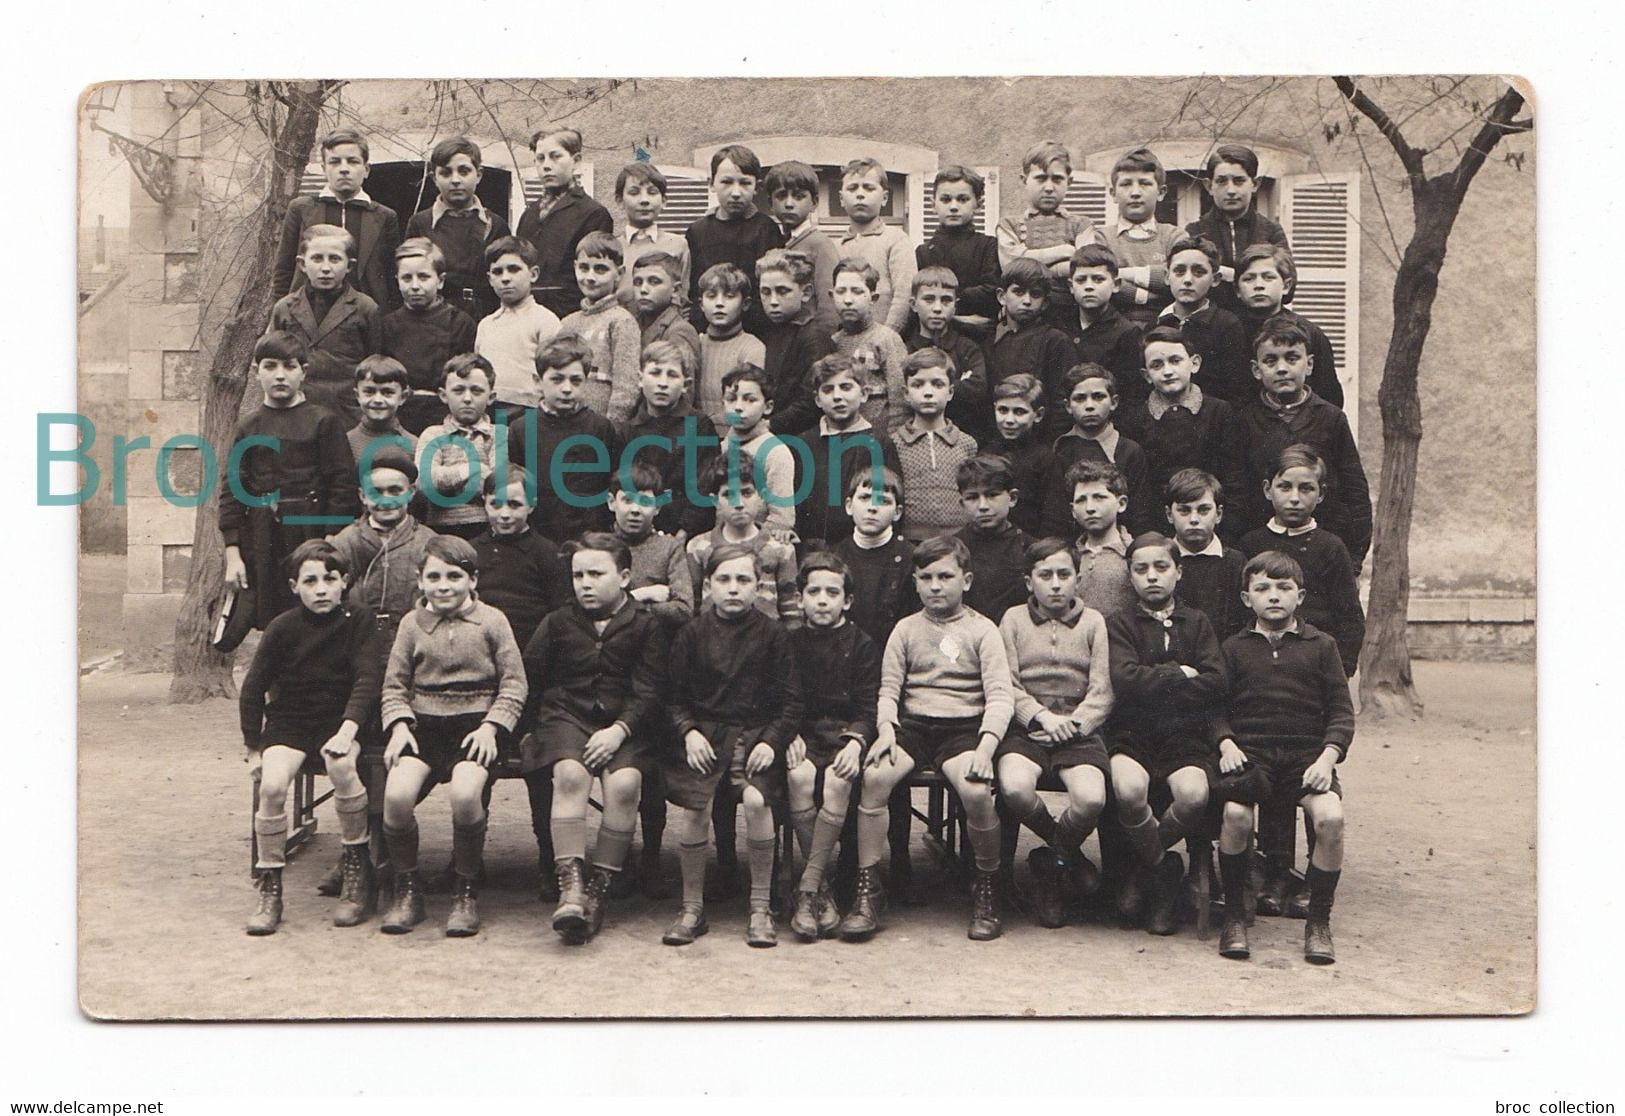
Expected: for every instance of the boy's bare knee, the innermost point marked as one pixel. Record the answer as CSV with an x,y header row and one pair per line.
x,y
803,776
1238,816
1329,826
571,778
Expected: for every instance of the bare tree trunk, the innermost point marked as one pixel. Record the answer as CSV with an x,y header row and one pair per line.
x,y
200,671
1386,687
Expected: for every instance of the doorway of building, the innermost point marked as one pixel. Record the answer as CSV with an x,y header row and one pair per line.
x,y
407,187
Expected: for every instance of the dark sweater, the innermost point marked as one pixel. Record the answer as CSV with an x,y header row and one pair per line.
x,y
969,409
822,513
555,238
1233,238
1029,457
462,239
1331,584
973,257
1346,511
884,585
680,514
1113,342
1209,440
737,672
522,577
377,232
740,242
597,457
1153,698
1217,336
311,467
1144,512
998,565
1212,583
1292,694
839,670
599,678
317,671
1043,352
423,340
792,349
1323,379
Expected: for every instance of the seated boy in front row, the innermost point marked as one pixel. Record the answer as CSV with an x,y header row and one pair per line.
x,y
1290,721
840,669
735,704
595,667
322,678
454,684
945,702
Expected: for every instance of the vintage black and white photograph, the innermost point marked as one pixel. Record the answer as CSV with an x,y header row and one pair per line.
x,y
649,548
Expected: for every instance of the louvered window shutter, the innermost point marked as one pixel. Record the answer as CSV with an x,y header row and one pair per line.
x,y
987,218
688,198
533,185
1088,196
1321,216
312,181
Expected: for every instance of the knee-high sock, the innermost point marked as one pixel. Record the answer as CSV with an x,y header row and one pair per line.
x,y
802,822
760,853
872,826
1174,826
653,812
1233,871
271,837
985,844
611,849
468,848
902,819
691,859
403,846
1072,829
539,789
826,831
569,838
1040,821
1322,890
352,810
1142,836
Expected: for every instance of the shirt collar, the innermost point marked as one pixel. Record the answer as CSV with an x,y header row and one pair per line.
x,y
1290,629
825,430
439,209
875,228
634,235
1070,618
857,540
910,433
808,226
1170,316
1118,542
1144,230
1164,616
360,196
1214,548
1159,405
483,428
1290,532
1285,411
429,619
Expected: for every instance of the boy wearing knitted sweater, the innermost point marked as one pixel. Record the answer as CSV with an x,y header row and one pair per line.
x,y
930,447
869,237
740,512
877,350
607,327
1059,669
1047,233
945,702
724,295
454,685
460,451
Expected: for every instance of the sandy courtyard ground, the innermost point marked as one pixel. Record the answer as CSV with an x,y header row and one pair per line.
x,y
1435,914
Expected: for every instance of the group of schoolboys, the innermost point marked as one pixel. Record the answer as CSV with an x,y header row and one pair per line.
x,y
1043,403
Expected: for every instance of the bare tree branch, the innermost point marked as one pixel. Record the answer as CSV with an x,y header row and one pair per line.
x,y
1502,122
1409,157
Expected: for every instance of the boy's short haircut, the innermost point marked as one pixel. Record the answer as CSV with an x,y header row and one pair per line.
x,y
569,139
930,357
600,246
1089,370
1275,253
1028,274
935,276
448,149
1152,540
955,172
646,174
1166,335
563,351
381,369
1096,472
727,552
863,165
338,137
1139,161
717,473
740,156
642,477
1040,549
797,265
791,175
1283,331
453,551
825,561
394,457
315,550
1094,255
1300,456
422,246
670,264
514,474
1023,385
988,472
826,368
891,483
1188,486
669,352
1043,154
725,277
511,246
1273,564
1244,157
610,544
319,232
747,373
465,363
938,547
871,277
281,345
1186,242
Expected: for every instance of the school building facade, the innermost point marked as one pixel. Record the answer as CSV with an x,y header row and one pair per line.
x,y
1336,191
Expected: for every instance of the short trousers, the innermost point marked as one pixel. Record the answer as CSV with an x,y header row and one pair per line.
x,y
933,741
303,734
560,735
440,742
1052,758
1273,775
1162,757
733,744
823,740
